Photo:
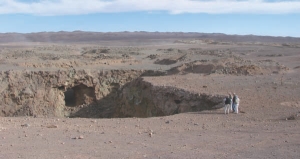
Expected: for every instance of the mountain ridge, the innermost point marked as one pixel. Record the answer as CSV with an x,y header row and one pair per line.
x,y
84,36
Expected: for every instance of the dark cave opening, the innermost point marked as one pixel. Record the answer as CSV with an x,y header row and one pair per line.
x,y
79,95
70,98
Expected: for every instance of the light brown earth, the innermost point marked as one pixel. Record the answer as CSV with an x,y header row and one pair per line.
x,y
265,76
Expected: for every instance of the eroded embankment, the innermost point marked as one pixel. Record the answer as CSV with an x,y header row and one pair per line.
x,y
142,99
97,94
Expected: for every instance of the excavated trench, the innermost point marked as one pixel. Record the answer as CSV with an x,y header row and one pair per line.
x,y
95,94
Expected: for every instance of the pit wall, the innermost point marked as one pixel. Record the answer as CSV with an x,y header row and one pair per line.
x,y
41,93
142,99
100,94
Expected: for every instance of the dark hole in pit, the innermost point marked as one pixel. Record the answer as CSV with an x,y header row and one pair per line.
x,y
177,101
79,95
70,98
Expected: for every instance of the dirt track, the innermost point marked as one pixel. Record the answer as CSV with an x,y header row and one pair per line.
x,y
265,77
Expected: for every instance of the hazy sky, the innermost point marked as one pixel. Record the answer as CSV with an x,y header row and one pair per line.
x,y
259,17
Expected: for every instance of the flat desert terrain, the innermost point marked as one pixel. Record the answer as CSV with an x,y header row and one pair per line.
x,y
148,95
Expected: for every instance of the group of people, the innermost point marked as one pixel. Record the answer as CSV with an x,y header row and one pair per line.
x,y
232,103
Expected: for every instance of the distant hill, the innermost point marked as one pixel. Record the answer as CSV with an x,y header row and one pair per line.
x,y
81,36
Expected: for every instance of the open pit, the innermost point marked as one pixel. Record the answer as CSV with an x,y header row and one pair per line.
x,y
108,82
76,95
95,94
101,81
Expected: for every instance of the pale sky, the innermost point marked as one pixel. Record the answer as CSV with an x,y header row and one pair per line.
x,y
258,17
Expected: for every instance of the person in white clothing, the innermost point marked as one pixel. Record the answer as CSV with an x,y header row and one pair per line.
x,y
236,103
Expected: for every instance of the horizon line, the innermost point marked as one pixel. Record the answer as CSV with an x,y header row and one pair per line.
x,y
184,32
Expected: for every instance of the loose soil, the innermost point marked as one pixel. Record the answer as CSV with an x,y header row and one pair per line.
x,y
37,120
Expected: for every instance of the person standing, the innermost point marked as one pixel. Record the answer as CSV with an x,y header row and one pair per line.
x,y
228,102
237,103
233,101
230,96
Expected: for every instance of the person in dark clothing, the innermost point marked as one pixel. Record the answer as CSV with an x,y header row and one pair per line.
x,y
228,103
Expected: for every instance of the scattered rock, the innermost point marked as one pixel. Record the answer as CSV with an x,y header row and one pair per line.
x,y
52,126
293,117
25,125
150,134
80,137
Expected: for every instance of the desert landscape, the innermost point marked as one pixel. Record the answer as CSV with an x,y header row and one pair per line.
x,y
86,95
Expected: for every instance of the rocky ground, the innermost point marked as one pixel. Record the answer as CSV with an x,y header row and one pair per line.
x,y
149,100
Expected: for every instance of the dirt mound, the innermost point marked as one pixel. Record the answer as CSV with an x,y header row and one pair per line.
x,y
209,68
227,66
96,51
243,70
171,60
193,68
201,68
153,56
171,50
166,61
